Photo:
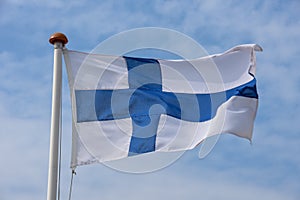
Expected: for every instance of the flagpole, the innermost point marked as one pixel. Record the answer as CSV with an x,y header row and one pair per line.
x,y
58,40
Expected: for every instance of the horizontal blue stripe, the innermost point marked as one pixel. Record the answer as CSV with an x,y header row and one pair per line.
x,y
101,105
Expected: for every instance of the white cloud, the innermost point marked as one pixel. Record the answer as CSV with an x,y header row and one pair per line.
x,y
25,85
171,183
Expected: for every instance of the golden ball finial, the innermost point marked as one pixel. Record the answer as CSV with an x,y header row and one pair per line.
x,y
58,37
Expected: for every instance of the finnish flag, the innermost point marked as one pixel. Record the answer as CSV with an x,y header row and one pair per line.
x,y
126,106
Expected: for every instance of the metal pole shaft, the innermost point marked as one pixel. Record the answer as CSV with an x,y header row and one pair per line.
x,y
55,122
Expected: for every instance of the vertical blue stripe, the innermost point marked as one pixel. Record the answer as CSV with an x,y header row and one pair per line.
x,y
143,72
143,75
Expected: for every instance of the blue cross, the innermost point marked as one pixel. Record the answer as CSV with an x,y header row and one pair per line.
x,y
145,101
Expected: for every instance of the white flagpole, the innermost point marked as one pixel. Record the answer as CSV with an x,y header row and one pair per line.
x,y
58,40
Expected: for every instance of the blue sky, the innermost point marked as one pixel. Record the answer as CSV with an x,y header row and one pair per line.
x,y
267,169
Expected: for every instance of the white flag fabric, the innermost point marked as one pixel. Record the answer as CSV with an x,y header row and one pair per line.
x,y
126,106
